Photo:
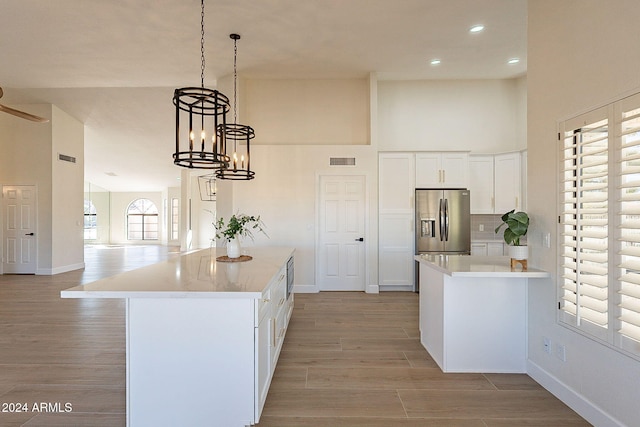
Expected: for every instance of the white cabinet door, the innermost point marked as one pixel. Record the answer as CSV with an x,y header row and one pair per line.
x,y
428,170
264,365
479,249
481,184
395,221
396,182
495,249
442,170
455,170
396,264
507,182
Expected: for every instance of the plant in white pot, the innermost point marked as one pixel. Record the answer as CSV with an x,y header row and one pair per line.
x,y
517,224
239,225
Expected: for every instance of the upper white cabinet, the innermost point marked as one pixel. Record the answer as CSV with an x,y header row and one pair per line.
x,y
507,182
396,182
496,183
481,184
442,170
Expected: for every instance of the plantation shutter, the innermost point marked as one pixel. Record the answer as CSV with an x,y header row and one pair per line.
x,y
584,222
628,319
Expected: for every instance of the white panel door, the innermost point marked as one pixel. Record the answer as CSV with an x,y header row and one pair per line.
x,y
341,247
19,226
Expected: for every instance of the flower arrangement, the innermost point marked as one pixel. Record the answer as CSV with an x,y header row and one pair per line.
x,y
239,225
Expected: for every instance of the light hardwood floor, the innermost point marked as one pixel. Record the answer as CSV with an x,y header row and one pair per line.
x,y
349,360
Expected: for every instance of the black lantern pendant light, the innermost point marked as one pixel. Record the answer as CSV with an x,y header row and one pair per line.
x,y
236,136
199,112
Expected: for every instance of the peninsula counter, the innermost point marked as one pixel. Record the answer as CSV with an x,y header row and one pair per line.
x,y
202,336
473,312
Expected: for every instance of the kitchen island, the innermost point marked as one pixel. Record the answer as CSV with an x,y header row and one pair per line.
x,y
202,336
473,312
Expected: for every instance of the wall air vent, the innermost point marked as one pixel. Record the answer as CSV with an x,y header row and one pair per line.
x,y
342,161
66,158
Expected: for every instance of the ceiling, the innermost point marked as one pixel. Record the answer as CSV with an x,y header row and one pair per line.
x,y
113,64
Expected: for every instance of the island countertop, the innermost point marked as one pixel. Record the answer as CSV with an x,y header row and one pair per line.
x,y
477,266
192,275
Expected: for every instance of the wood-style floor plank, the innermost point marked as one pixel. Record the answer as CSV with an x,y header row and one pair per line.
x,y
349,360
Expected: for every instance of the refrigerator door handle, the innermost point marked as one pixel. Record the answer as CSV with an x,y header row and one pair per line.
x,y
446,220
441,219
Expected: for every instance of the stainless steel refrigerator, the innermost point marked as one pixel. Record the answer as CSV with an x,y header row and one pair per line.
x,y
443,221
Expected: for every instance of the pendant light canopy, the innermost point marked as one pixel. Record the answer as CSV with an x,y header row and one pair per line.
x,y
199,113
236,137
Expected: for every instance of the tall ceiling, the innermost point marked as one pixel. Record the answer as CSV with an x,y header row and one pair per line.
x,y
113,64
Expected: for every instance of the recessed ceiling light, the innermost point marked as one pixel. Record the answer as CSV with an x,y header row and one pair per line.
x,y
476,28
514,60
435,62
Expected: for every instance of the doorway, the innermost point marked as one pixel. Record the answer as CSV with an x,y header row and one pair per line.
x,y
340,246
19,207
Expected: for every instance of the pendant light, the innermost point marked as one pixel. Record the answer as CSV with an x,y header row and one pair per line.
x,y
207,187
236,136
199,112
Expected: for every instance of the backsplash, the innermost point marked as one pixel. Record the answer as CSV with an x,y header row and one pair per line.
x,y
488,223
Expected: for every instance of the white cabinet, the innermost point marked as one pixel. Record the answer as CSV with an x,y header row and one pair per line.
x,y
481,184
507,182
396,192
442,170
495,183
396,182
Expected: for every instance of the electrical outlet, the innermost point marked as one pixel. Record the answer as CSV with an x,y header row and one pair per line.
x,y
547,345
561,352
481,227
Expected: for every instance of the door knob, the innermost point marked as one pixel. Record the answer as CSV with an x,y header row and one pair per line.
x,y
361,239
29,234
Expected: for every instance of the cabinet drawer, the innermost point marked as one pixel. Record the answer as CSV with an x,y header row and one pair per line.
x,y
264,304
278,291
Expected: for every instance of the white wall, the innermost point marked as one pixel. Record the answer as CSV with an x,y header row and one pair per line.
x,y
308,111
67,186
29,157
581,54
284,195
119,203
482,116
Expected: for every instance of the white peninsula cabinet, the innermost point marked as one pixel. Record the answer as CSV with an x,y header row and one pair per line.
x,y
442,170
203,336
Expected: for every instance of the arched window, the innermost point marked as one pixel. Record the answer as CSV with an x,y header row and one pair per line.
x,y
90,221
142,220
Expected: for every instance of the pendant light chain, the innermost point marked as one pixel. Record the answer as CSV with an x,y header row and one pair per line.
x,y
202,43
235,81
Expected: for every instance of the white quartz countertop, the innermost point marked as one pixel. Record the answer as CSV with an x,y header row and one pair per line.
x,y
192,275
477,266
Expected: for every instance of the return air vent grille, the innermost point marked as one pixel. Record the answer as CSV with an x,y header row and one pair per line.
x,y
66,158
342,161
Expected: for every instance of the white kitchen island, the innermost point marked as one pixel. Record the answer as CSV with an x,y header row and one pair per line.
x,y
473,312
202,336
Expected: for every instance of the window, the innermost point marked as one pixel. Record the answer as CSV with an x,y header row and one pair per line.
x,y
90,221
599,283
175,218
142,220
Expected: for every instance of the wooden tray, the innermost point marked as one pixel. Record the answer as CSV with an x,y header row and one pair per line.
x,y
241,258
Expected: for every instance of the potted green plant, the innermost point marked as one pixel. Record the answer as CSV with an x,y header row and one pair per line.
x,y
517,225
239,225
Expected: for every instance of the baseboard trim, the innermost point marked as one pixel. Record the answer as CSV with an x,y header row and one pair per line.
x,y
571,398
373,289
58,270
305,289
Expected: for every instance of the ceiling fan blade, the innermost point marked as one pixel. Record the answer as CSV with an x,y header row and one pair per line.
x,y
22,114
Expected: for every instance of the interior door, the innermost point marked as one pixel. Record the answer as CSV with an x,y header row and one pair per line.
x,y
341,246
19,228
